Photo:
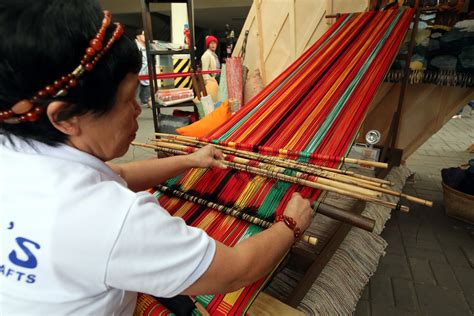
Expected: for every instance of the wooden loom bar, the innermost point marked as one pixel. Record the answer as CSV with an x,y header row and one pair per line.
x,y
331,211
342,178
287,152
232,211
282,162
242,161
273,159
287,178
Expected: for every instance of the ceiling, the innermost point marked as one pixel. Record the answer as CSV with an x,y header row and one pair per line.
x,y
211,15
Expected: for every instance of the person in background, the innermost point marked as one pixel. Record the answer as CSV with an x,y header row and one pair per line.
x,y
209,59
143,91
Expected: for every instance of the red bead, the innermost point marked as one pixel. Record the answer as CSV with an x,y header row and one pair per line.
x,y
38,110
94,62
118,31
72,82
83,62
31,116
35,98
90,51
22,119
50,89
57,84
96,44
100,36
89,67
64,79
1,116
42,93
22,107
8,114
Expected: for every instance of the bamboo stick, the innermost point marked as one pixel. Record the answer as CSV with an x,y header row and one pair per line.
x,y
232,211
287,178
246,162
288,164
360,162
195,140
307,168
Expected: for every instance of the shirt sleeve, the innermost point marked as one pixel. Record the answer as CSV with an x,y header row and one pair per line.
x,y
156,253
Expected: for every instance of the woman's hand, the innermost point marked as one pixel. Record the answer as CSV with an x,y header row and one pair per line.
x,y
300,210
207,157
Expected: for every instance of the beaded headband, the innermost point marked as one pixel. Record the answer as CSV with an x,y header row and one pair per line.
x,y
26,111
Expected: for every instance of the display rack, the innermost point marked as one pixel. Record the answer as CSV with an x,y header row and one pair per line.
x,y
152,53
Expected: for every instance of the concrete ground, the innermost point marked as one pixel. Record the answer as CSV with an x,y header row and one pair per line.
x,y
429,265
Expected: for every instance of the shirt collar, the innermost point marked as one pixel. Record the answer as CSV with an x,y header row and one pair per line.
x,y
62,151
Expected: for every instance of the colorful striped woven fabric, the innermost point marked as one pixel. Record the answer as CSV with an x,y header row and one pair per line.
x,y
315,107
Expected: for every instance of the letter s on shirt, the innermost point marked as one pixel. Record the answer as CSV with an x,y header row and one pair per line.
x,y
31,262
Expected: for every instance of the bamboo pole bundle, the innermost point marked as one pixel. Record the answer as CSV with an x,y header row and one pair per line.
x,y
334,178
286,152
271,159
272,168
178,150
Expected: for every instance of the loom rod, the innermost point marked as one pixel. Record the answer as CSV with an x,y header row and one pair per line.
x,y
246,162
282,162
287,164
195,140
360,162
292,165
289,179
232,211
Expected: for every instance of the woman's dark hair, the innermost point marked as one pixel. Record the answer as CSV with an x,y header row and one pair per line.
x,y
138,32
44,40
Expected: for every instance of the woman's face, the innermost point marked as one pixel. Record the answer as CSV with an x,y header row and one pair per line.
x,y
109,136
213,46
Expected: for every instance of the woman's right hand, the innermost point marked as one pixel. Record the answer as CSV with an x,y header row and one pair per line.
x,y
300,210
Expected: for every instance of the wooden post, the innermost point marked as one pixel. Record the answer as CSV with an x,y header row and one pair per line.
x,y
403,87
261,56
292,17
329,11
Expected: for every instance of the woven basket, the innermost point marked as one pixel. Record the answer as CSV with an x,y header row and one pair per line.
x,y
458,205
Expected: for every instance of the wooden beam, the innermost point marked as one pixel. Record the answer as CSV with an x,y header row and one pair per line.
x,y
329,11
258,14
292,21
265,304
247,27
403,87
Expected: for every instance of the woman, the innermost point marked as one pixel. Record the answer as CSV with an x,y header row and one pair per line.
x,y
79,236
210,60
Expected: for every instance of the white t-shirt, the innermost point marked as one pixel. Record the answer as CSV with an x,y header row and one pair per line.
x,y
76,240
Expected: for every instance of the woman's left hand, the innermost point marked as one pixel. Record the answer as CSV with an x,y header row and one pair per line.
x,y
207,157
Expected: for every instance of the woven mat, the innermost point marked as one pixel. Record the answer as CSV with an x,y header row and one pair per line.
x,y
339,286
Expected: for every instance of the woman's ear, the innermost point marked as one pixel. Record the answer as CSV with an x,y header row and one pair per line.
x,y
70,126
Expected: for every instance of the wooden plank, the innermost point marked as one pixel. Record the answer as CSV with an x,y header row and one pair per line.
x,y
265,304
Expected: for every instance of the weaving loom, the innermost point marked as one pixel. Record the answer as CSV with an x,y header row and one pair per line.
x,y
313,109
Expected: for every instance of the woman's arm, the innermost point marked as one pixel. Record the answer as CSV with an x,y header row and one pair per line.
x,y
235,267
141,175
